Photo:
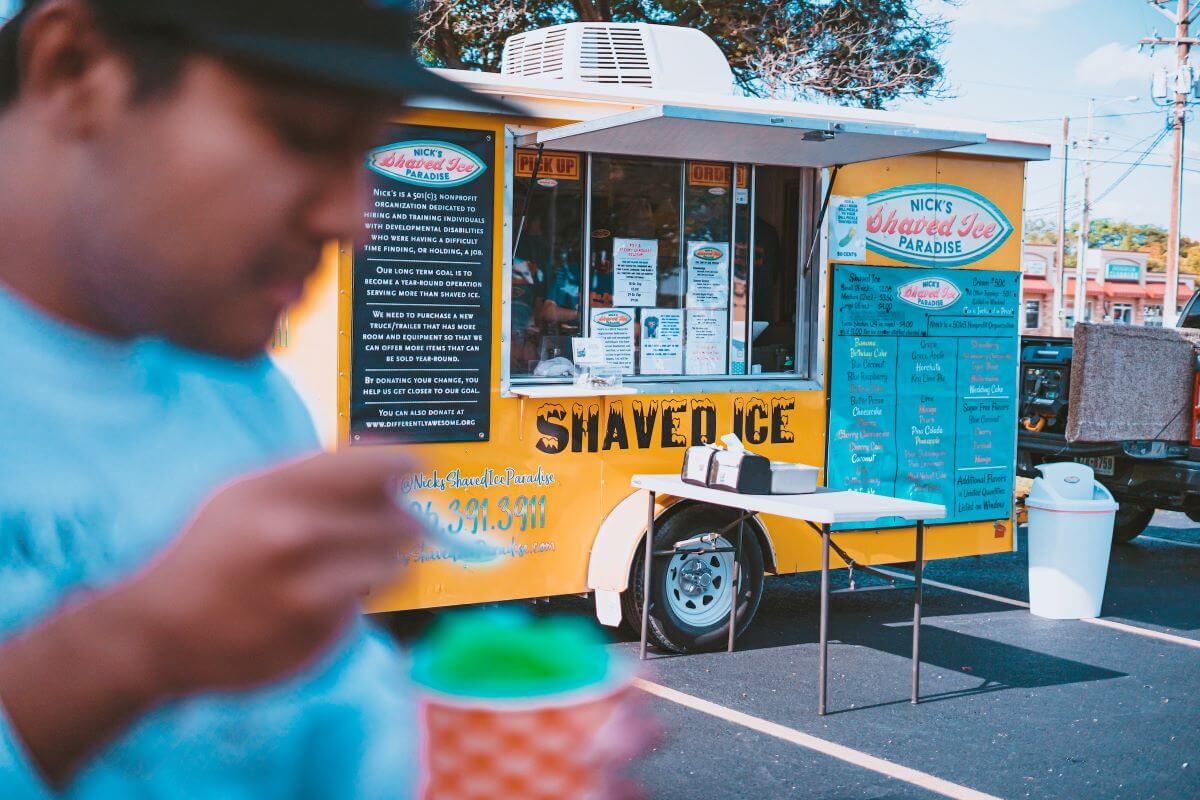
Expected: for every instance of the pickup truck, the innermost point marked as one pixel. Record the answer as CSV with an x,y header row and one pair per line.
x,y
1142,476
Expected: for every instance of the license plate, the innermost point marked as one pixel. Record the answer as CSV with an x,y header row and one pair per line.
x,y
1101,465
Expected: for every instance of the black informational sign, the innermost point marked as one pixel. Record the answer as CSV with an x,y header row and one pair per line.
x,y
422,290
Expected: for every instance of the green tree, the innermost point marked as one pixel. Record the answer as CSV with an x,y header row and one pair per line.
x,y
1124,235
856,52
1040,231
1119,234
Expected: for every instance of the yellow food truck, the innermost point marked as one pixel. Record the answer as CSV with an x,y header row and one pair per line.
x,y
837,287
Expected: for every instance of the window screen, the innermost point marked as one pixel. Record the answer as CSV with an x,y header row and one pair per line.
x,y
775,270
683,269
547,271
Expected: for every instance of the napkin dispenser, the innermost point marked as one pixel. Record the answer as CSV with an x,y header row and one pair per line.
x,y
739,471
697,461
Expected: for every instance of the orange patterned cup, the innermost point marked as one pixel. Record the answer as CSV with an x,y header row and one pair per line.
x,y
536,709
536,750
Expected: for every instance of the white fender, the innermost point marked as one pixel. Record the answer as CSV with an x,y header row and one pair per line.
x,y
613,550
616,545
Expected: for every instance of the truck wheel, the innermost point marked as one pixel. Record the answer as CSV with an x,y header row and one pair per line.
x,y
1131,520
690,595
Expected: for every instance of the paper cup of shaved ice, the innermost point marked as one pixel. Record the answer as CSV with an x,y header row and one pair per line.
x,y
517,706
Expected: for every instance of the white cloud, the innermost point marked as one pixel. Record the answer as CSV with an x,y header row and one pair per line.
x,y
1114,63
1006,13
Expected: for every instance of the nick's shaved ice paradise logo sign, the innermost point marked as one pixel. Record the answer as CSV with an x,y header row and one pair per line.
x,y
439,164
934,224
932,294
615,318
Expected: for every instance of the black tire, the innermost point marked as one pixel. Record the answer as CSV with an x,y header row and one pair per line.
x,y
667,630
1132,519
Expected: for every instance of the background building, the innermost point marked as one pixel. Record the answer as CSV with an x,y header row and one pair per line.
x,y
1120,289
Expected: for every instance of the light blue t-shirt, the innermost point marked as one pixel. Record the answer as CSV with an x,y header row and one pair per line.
x,y
106,450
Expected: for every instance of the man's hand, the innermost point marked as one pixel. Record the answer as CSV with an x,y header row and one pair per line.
x,y
273,567
268,573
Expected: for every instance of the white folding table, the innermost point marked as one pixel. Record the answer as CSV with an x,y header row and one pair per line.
x,y
821,510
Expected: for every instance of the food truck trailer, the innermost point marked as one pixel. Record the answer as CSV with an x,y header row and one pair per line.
x,y
838,287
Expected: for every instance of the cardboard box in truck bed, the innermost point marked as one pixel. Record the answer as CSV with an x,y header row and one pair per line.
x,y
1131,383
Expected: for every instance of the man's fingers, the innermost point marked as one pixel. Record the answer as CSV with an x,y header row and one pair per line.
x,y
349,581
365,551
331,535
352,476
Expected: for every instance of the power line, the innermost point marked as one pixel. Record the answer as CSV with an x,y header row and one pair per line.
x,y
1097,116
1121,163
1139,143
1072,205
1130,147
1132,165
1110,161
1046,187
1042,90
1145,154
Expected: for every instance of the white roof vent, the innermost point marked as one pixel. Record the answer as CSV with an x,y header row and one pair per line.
x,y
635,54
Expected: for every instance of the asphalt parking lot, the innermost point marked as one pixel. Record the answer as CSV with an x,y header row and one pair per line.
x,y
1013,705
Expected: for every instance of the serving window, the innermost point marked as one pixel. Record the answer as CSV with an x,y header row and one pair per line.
x,y
685,270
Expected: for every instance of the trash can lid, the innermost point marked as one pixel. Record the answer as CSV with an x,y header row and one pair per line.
x,y
1068,486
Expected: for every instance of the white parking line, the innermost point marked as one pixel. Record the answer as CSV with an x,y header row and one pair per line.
x,y
924,780
1169,541
1103,623
1153,634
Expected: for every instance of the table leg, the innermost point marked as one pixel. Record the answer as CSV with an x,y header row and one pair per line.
x,y
646,576
824,650
918,566
737,578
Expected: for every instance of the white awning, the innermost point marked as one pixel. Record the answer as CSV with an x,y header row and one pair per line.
x,y
706,134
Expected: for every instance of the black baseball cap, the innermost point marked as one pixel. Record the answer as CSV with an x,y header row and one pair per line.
x,y
364,45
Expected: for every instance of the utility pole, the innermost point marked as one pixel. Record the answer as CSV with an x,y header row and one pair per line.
x,y
1084,224
1183,16
1060,278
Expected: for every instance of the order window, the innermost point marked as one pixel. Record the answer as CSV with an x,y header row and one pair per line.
x,y
1122,313
684,270
547,263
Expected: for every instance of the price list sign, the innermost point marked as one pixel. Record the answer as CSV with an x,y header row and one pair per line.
x,y
422,289
923,387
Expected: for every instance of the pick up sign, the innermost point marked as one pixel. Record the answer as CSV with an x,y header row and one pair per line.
x,y
933,225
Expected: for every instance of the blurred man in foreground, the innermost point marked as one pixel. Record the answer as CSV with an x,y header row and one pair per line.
x,y
169,172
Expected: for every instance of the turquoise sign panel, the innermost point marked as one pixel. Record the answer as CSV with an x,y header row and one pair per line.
x,y
923,387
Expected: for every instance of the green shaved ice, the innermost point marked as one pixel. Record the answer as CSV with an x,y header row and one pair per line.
x,y
504,653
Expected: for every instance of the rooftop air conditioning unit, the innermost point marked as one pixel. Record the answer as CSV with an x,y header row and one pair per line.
x,y
612,53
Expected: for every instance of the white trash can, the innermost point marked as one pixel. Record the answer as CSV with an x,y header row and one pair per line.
x,y
1070,536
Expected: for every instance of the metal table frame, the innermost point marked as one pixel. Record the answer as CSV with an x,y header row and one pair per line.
x,y
824,529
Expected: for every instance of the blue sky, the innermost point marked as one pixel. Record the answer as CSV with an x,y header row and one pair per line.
x,y
1039,59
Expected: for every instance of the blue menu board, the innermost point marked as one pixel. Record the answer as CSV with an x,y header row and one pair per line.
x,y
923,387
